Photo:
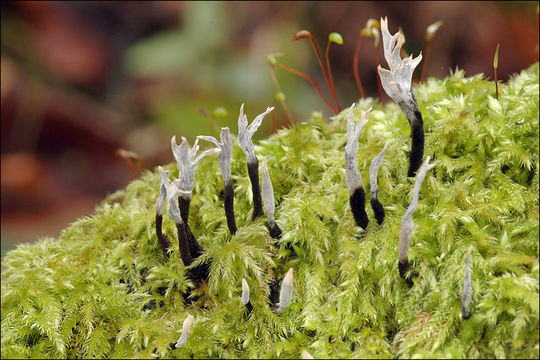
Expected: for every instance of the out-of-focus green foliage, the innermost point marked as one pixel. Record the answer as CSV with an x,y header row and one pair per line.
x,y
82,295
212,67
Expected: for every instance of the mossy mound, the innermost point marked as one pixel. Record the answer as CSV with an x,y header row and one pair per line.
x,y
87,293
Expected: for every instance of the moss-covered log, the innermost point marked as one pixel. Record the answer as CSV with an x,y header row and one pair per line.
x,y
83,294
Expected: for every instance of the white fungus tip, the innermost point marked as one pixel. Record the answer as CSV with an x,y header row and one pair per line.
x,y
352,175
306,354
186,327
245,292
288,278
285,294
187,323
397,81
245,132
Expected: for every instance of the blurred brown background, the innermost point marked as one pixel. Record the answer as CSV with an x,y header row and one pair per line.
x,y
82,79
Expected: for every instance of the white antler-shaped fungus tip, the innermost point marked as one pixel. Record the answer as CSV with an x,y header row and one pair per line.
x,y
186,162
396,82
224,148
245,132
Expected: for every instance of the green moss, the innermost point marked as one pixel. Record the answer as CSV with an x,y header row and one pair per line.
x,y
83,294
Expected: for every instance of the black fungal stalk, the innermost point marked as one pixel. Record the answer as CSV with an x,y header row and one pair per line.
x,y
417,145
253,172
273,297
403,268
184,202
397,84
190,250
183,244
378,210
224,160
229,207
245,133
358,207
407,225
353,178
377,207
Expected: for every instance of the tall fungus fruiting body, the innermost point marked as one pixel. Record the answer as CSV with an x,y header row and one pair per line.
x,y
467,287
268,197
396,83
187,160
163,241
378,208
245,133
407,225
357,195
224,160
